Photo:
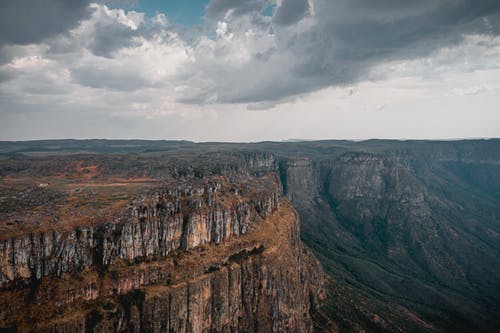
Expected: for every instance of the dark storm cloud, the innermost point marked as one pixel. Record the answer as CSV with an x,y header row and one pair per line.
x,y
291,11
350,36
30,21
345,39
110,36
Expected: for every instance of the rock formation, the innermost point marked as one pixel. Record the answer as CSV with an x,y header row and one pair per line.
x,y
175,236
191,255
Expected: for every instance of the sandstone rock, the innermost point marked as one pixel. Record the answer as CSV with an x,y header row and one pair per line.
x,y
207,255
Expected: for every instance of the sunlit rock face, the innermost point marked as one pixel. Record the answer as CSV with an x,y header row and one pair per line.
x,y
209,254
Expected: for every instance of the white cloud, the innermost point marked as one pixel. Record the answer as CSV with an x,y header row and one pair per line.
x,y
131,19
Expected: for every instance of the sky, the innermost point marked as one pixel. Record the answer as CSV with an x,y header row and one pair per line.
x,y
249,70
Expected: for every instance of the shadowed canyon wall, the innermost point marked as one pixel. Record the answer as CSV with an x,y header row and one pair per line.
x,y
412,225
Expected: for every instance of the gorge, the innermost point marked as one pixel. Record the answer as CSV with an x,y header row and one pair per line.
x,y
165,236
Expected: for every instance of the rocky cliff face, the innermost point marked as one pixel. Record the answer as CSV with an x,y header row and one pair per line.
x,y
177,216
406,224
191,255
301,180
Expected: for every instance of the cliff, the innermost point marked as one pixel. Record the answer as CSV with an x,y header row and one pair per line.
x,y
157,236
412,226
208,254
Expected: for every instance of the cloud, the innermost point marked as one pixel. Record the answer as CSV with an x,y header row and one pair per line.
x,y
347,38
291,11
217,9
113,77
312,45
115,64
113,29
80,61
103,32
304,47
30,21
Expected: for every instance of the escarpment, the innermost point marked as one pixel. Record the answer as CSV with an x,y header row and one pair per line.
x,y
190,254
171,218
405,222
147,236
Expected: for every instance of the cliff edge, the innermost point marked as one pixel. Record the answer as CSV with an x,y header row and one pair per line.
x,y
208,254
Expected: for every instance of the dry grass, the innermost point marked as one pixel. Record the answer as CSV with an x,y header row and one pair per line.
x,y
37,204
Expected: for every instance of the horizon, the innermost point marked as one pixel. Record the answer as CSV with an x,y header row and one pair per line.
x,y
256,142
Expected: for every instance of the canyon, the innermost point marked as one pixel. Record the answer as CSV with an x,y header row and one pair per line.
x,y
173,236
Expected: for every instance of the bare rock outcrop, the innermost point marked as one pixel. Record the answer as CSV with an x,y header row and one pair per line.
x,y
192,255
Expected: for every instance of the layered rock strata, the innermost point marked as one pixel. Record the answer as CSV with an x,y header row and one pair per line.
x,y
171,218
205,255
